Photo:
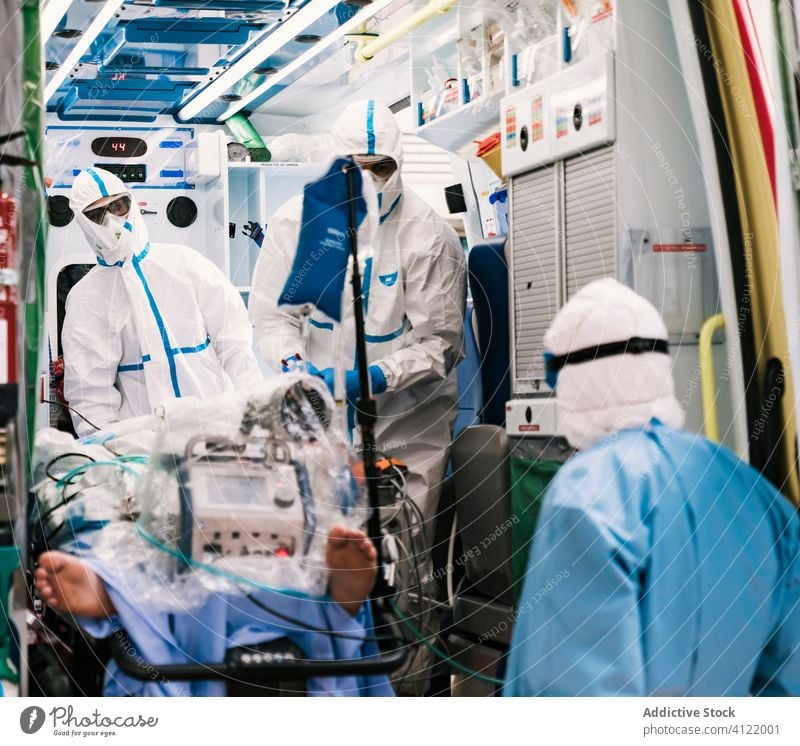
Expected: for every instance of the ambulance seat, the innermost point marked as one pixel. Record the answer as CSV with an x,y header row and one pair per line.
x,y
482,608
468,375
488,278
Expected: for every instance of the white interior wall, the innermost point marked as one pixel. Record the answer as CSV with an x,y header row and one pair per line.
x,y
661,186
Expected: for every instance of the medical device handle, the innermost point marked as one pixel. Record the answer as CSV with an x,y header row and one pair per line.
x,y
707,382
270,667
366,410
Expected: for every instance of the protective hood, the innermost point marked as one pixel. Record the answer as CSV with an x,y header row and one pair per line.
x,y
600,397
117,239
369,128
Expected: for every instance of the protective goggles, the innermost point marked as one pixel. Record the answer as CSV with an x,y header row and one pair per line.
x,y
382,166
633,346
119,207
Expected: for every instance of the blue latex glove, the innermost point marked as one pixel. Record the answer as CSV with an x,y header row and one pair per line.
x,y
253,230
325,374
376,377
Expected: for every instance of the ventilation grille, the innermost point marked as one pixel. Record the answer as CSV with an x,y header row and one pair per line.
x,y
534,247
589,219
427,170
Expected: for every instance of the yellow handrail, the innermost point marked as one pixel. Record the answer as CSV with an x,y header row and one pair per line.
x,y
707,379
369,49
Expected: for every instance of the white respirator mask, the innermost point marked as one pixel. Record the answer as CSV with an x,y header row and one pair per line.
x,y
119,236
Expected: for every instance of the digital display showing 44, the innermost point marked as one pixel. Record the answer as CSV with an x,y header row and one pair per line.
x,y
119,147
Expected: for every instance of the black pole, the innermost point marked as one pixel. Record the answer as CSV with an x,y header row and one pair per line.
x,y
366,410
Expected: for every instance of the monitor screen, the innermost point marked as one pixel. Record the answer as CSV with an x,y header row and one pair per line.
x,y
236,490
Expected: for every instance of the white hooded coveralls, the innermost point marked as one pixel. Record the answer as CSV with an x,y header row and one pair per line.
x,y
151,322
414,296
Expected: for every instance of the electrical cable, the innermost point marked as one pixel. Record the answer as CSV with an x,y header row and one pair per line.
x,y
422,615
71,409
413,559
451,555
54,532
66,480
64,501
400,489
440,654
61,457
406,505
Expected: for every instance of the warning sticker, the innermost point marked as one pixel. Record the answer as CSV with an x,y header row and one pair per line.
x,y
562,121
532,428
595,110
511,127
537,119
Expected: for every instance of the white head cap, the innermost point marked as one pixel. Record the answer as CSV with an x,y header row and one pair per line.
x,y
600,397
369,128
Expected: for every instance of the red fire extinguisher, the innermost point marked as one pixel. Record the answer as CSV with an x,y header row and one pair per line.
x,y
9,298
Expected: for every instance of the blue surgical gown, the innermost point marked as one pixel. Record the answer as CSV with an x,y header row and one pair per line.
x,y
661,565
204,633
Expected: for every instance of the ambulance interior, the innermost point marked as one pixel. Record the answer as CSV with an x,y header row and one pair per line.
x,y
563,141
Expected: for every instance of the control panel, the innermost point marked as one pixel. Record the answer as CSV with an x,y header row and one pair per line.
x,y
141,157
127,172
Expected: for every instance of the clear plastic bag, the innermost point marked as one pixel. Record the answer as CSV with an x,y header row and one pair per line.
x,y
243,489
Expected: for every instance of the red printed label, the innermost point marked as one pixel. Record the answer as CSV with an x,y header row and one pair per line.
x,y
532,428
674,248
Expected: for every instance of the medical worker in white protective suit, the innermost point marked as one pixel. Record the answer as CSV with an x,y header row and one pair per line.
x,y
414,295
151,322
662,564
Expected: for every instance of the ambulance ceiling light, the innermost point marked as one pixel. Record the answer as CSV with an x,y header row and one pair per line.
x,y
297,63
282,35
104,15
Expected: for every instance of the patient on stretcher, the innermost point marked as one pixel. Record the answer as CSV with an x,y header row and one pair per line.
x,y
226,523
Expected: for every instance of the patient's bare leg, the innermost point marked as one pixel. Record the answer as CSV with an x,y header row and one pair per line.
x,y
67,584
351,558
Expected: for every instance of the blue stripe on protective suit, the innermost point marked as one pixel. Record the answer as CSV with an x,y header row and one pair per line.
x,y
378,338
326,325
188,350
173,373
141,255
391,209
97,180
222,622
371,128
104,263
176,350
323,247
134,366
367,284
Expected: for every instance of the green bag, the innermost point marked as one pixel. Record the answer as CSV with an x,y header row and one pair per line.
x,y
529,481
